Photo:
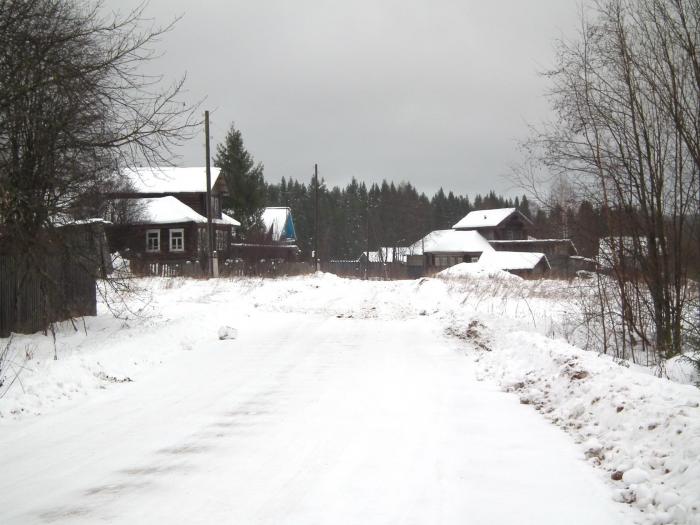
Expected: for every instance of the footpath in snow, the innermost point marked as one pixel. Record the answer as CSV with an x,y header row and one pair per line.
x,y
340,401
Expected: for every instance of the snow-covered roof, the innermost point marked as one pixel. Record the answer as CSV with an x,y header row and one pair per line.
x,y
227,219
164,210
170,180
478,270
386,254
278,220
62,219
450,241
512,260
486,218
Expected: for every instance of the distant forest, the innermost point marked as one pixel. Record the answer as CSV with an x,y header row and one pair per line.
x,y
398,215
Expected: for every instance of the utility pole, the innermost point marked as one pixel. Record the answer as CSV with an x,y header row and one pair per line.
x,y
317,218
210,243
367,239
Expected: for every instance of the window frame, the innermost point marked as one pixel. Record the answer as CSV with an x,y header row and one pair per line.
x,y
221,240
157,238
181,239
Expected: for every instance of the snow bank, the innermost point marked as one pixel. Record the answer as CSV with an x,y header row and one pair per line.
x,y
476,270
644,432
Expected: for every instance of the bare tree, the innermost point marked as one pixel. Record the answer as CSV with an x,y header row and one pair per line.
x,y
75,107
626,95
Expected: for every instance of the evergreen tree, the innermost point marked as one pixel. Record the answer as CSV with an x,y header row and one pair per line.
x,y
244,179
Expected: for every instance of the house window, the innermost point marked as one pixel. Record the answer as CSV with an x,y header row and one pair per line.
x,y
152,240
442,260
177,240
215,207
221,238
202,245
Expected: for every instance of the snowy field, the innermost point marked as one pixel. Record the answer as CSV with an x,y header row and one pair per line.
x,y
449,400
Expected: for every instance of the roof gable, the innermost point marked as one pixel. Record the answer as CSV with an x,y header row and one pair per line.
x,y
487,218
172,180
278,221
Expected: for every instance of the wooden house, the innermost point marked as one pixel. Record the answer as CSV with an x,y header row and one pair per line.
x,y
162,217
495,225
507,230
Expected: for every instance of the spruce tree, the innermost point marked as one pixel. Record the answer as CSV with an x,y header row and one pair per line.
x,y
244,179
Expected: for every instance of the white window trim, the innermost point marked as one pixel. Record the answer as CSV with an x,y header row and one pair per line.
x,y
175,230
147,247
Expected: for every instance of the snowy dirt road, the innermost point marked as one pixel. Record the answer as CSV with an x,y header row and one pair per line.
x,y
310,420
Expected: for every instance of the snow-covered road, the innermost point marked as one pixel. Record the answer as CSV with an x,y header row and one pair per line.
x,y
303,419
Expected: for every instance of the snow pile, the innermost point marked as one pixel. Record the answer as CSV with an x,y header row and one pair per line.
x,y
642,430
227,332
476,270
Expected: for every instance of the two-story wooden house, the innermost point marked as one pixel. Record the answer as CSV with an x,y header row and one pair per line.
x,y
508,230
162,216
503,224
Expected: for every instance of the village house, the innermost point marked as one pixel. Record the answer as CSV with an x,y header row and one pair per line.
x,y
508,230
162,217
500,238
278,241
441,249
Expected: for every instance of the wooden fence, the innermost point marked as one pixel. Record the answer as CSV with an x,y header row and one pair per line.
x,y
372,270
275,268
29,302
237,268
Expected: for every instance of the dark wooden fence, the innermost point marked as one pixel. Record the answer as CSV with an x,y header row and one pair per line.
x,y
361,270
167,268
276,268
265,269
195,269
30,302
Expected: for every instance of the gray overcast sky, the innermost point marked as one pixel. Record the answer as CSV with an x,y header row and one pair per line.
x,y
436,93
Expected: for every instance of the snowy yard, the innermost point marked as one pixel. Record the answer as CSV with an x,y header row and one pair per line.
x,y
340,401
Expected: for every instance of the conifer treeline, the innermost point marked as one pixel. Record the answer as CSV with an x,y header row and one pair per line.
x,y
399,215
